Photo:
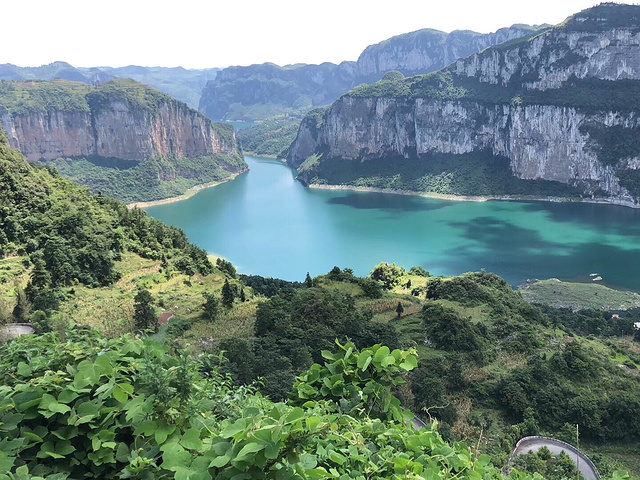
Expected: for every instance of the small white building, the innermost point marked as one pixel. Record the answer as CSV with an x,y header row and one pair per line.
x,y
636,325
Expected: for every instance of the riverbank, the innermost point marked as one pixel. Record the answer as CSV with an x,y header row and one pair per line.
x,y
186,195
261,155
473,198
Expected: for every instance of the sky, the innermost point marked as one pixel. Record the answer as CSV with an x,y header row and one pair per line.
x,y
220,33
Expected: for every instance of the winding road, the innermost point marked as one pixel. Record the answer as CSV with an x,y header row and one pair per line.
x,y
583,463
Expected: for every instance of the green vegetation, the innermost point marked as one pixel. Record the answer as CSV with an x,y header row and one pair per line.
x,y
630,179
75,404
137,95
578,296
20,98
477,173
606,15
392,85
550,467
613,144
270,137
71,237
151,179
86,407
586,94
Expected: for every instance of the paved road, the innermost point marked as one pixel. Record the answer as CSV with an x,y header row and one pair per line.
x,y
417,423
14,330
586,466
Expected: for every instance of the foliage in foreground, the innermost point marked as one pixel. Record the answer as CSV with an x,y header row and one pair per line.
x,y
88,407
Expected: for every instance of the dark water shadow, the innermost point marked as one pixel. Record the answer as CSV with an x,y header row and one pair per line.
x,y
518,253
388,202
612,218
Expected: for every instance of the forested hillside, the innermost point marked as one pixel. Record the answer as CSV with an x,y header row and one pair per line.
x,y
472,354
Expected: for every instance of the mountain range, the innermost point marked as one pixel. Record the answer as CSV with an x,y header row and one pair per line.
x,y
259,91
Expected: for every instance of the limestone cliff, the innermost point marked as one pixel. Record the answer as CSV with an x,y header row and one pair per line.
x,y
120,120
428,50
561,106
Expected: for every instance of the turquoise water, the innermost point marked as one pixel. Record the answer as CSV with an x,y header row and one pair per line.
x,y
268,224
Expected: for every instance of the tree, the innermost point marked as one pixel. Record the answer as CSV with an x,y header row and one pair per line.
x,y
227,295
399,309
211,306
243,297
22,309
419,271
226,266
308,282
388,274
144,313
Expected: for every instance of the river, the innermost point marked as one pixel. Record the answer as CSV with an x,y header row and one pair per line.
x,y
268,224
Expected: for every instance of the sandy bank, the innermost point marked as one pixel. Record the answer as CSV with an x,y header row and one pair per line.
x,y
474,198
188,194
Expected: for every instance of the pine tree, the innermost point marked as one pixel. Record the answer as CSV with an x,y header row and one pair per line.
x,y
227,295
243,298
399,309
144,314
210,306
308,282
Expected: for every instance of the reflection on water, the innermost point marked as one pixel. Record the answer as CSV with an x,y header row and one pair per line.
x,y
268,224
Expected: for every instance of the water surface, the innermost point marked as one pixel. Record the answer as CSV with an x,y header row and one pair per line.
x,y
268,224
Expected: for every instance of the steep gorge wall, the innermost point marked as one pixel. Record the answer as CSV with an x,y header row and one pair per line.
x,y
553,105
427,50
541,141
116,130
548,61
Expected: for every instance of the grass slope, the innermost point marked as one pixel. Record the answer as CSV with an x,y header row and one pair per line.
x,y
578,296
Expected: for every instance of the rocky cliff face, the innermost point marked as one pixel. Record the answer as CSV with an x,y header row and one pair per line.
x,y
548,61
258,91
429,50
122,120
553,105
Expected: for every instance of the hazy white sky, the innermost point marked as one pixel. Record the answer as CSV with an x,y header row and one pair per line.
x,y
219,33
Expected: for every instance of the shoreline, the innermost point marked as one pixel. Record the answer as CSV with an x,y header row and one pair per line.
x,y
472,198
186,195
263,155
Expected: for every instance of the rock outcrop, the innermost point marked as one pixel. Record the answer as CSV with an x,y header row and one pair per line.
x,y
561,106
121,120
